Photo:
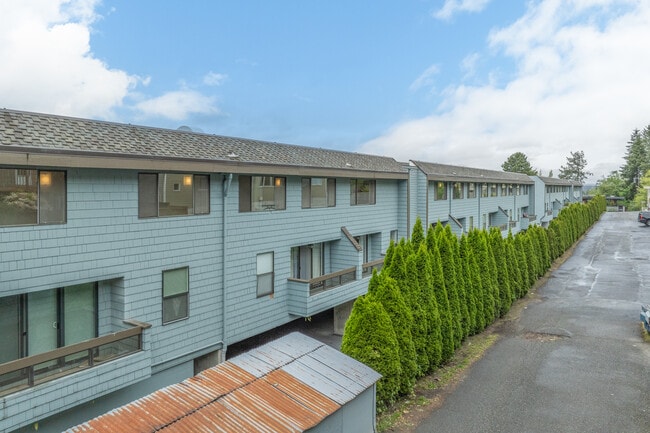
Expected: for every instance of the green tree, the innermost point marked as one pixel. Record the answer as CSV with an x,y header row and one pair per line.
x,y
417,299
641,196
440,292
637,160
518,163
385,290
446,240
612,185
469,285
575,168
429,302
369,337
503,276
417,236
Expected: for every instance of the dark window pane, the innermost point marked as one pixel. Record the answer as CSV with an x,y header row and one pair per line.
x,y
9,323
306,193
244,193
331,192
147,195
201,194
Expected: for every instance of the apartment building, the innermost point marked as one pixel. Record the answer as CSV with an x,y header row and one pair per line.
x,y
132,257
470,198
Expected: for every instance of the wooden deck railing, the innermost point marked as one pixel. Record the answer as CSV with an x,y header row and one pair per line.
x,y
32,370
368,267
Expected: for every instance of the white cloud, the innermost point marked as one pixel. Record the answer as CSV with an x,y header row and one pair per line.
x,y
47,64
581,84
214,79
177,105
426,79
451,7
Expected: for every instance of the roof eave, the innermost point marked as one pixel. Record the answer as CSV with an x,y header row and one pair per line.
x,y
35,157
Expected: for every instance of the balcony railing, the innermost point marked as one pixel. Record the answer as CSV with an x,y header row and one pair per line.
x,y
329,281
368,267
33,370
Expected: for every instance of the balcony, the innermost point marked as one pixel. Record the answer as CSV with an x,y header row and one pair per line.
x,y
367,268
37,369
309,297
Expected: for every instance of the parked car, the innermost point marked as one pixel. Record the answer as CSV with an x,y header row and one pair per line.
x,y
644,217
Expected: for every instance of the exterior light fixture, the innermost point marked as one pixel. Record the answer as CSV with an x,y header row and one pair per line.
x,y
45,178
187,180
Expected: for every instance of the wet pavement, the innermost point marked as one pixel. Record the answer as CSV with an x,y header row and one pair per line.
x,y
574,359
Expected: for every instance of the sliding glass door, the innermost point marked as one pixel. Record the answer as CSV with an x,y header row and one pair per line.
x,y
42,322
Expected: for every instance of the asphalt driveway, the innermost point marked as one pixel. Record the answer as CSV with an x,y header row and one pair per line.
x,y
574,360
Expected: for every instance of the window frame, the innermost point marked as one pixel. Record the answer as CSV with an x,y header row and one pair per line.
x,y
494,190
261,277
185,293
355,186
149,194
246,196
307,192
42,180
439,190
471,190
458,191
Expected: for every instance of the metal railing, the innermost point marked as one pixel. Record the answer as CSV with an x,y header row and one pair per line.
x,y
32,370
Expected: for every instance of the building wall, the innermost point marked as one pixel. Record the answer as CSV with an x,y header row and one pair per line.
x,y
480,208
104,241
251,233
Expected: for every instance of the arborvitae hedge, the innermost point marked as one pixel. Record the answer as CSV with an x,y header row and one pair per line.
x,y
435,301
386,291
369,337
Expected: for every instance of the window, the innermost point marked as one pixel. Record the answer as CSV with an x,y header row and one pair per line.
x,y
510,189
471,222
471,190
38,322
307,261
265,274
493,190
30,197
175,292
318,192
458,192
484,190
441,191
260,193
173,194
394,236
362,191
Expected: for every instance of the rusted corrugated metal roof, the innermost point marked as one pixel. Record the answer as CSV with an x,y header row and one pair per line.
x,y
289,385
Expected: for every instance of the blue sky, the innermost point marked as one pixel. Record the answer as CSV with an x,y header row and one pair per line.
x,y
465,82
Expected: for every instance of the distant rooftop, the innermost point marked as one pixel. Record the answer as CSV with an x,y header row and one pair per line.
x,y
444,172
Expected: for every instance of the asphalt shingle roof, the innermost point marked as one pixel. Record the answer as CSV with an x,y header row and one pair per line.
x,y
445,172
50,133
